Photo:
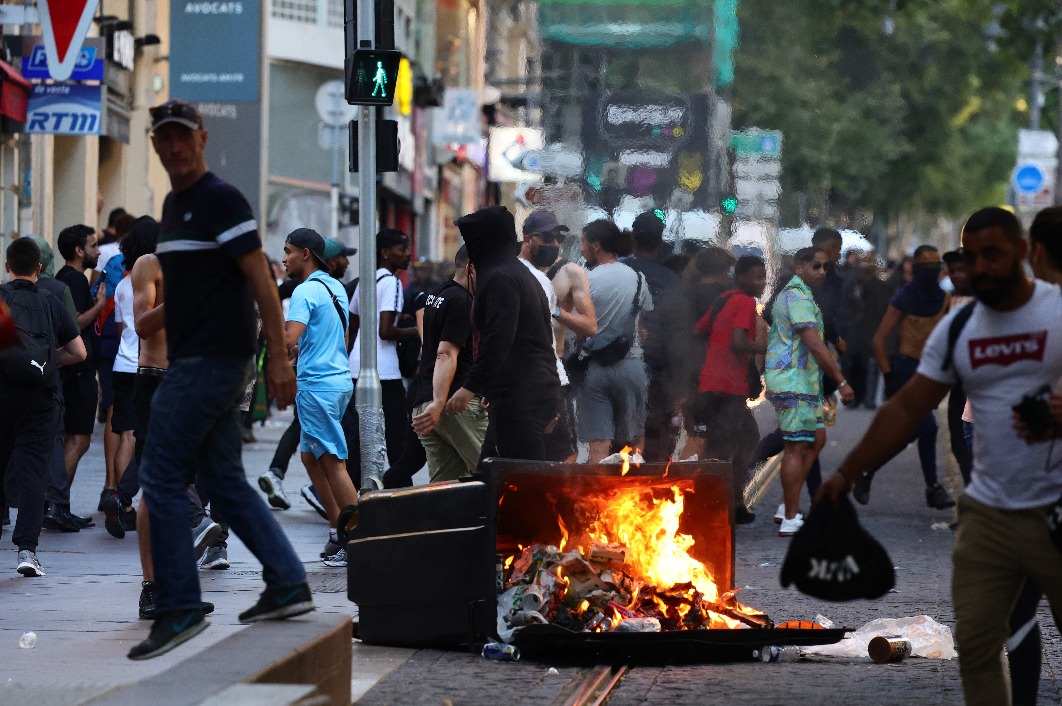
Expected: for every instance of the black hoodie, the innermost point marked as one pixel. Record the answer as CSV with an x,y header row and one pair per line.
x,y
512,330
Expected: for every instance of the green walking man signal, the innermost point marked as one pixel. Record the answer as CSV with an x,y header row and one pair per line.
x,y
372,76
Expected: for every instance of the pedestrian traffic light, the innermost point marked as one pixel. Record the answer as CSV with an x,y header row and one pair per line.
x,y
387,145
372,76
729,204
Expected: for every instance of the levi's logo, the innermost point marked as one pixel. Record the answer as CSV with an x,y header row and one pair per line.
x,y
1005,350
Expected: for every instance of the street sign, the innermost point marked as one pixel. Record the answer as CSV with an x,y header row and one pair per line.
x,y
332,106
65,24
372,76
757,143
1028,178
65,109
89,65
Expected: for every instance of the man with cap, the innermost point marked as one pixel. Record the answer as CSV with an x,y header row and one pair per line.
x,y
660,436
539,249
392,256
215,271
514,367
316,336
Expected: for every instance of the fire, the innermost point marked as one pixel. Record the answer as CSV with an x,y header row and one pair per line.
x,y
625,454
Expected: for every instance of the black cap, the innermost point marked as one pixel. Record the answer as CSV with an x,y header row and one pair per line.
x,y
389,237
543,222
832,557
649,223
311,240
175,111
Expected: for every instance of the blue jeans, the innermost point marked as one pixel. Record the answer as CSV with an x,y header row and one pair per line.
x,y
196,423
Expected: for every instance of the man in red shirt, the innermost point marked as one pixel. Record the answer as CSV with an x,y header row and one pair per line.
x,y
718,419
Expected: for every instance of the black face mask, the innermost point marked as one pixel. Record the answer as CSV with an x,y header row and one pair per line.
x,y
545,255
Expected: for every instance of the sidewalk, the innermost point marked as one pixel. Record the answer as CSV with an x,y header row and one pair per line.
x,y
84,611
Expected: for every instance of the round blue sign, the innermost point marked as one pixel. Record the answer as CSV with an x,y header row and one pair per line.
x,y
1028,178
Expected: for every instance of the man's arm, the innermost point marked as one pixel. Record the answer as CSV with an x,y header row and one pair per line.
x,y
292,332
73,352
501,311
279,374
817,348
148,319
390,332
740,343
889,322
582,319
89,315
892,428
441,379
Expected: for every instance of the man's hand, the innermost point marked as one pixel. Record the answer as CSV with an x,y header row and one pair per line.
x,y
280,377
428,419
847,395
1055,405
841,346
101,296
459,402
833,489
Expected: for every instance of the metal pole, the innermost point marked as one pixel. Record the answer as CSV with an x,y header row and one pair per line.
x,y
369,398
336,176
1037,71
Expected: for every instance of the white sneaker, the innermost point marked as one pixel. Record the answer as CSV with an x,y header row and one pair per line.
x,y
789,527
780,515
337,559
273,487
204,535
28,564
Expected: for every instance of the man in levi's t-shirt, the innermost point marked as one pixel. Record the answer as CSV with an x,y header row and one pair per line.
x,y
1010,347
719,418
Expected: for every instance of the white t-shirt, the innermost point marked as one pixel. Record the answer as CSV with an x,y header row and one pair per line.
x,y
1001,356
129,346
551,297
388,298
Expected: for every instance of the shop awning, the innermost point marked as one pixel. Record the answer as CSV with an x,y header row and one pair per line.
x,y
14,93
629,24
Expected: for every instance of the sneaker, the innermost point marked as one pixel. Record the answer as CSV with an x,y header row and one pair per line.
x,y
82,522
938,498
272,485
743,516
789,527
331,547
310,495
28,564
112,512
278,603
248,436
779,515
58,520
861,489
216,558
170,630
104,494
205,533
337,559
147,600
128,519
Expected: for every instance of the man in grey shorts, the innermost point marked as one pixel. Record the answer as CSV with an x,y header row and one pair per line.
x,y
611,399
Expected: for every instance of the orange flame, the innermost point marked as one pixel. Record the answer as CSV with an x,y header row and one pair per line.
x,y
625,454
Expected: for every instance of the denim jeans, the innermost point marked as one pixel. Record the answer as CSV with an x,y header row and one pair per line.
x,y
196,423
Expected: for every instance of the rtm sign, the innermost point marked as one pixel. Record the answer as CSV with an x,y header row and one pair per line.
x,y
65,109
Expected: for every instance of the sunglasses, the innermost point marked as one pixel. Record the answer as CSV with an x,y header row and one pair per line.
x,y
171,109
818,266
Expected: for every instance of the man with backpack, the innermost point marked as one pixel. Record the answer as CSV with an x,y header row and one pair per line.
x,y
29,406
1003,348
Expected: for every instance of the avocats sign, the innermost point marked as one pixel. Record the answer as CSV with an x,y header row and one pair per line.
x,y
65,24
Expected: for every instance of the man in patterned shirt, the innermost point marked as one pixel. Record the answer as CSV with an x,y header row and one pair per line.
x,y
797,356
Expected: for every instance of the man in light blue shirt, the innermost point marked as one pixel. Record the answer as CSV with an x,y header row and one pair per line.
x,y
316,336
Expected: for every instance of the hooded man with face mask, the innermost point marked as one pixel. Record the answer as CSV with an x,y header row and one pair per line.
x,y
916,309
514,363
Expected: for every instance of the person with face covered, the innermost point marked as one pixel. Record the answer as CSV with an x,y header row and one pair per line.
x,y
915,309
514,366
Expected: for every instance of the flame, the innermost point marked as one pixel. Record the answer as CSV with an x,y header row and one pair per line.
x,y
509,561
667,467
625,454
564,533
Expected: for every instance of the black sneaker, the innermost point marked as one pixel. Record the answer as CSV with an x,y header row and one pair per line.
x,y
112,512
278,603
147,600
128,518
309,494
861,489
104,494
170,630
60,521
937,497
743,516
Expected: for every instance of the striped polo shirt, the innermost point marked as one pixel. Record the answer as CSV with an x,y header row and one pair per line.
x,y
209,307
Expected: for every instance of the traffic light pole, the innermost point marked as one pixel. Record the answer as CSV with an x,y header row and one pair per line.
x,y
369,398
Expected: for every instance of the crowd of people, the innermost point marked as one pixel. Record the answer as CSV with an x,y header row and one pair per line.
x,y
522,354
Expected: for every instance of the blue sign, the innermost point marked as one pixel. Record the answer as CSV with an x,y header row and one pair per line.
x,y
89,65
214,51
65,109
1029,178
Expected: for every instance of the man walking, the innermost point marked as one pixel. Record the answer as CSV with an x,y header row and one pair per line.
x,y
29,409
215,270
316,338
1009,347
452,443
612,399
514,366
797,357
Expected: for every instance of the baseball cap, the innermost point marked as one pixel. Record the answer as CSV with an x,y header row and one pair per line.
x,y
334,248
311,240
389,237
175,111
832,557
543,222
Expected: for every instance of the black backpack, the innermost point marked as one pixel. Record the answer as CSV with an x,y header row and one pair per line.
x,y
34,361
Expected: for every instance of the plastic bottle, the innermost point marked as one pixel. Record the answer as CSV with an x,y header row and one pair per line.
x,y
28,640
501,652
774,653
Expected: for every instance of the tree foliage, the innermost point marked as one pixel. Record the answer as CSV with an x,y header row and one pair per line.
x,y
884,107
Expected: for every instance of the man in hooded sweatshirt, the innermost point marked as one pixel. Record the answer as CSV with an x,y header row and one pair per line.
x,y
514,364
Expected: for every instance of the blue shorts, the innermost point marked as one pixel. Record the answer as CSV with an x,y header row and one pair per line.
x,y
798,418
321,413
